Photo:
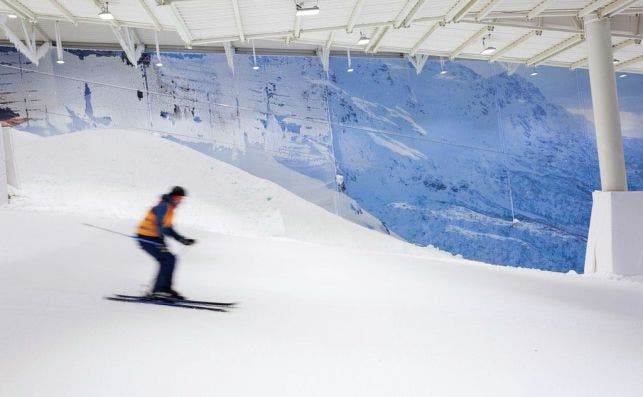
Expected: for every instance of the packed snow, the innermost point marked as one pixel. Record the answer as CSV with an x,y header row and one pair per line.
x,y
326,307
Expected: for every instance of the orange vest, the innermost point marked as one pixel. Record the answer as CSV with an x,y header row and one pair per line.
x,y
149,226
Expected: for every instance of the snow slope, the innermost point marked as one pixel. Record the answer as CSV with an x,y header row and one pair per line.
x,y
331,319
121,173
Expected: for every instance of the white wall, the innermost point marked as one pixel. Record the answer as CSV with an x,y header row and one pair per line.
x,y
615,241
3,170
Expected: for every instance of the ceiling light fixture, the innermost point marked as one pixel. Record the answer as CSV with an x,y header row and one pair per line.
x,y
487,49
104,12
442,70
623,75
615,61
158,50
254,56
12,16
363,39
306,11
59,44
348,56
533,74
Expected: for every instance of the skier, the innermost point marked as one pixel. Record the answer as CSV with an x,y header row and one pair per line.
x,y
151,237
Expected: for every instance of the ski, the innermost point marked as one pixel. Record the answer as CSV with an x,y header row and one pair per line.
x,y
189,301
165,303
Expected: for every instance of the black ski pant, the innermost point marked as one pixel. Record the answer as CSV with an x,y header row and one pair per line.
x,y
166,261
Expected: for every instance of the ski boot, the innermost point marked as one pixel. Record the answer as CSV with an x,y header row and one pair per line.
x,y
167,296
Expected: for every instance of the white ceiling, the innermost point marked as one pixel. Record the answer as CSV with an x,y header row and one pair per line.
x,y
273,25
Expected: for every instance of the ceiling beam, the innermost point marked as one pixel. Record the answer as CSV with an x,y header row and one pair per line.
x,y
357,9
297,28
614,8
98,21
130,43
180,25
66,13
237,18
556,49
476,36
405,20
542,6
554,26
329,41
424,38
324,56
34,28
499,53
42,32
29,47
458,11
625,64
418,61
486,10
150,14
376,42
615,47
20,9
593,7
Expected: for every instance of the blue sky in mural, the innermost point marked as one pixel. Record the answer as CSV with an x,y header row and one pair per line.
x,y
491,165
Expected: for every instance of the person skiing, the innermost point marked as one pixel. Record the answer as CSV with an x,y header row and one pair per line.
x,y
151,234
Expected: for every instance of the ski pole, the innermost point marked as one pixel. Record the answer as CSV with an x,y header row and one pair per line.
x,y
122,234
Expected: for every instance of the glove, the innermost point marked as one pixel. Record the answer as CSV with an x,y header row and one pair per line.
x,y
188,241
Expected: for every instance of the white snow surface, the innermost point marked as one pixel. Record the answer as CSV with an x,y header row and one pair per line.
x,y
121,173
326,308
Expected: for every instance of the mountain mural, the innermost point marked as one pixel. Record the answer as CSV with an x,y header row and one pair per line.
x,y
464,156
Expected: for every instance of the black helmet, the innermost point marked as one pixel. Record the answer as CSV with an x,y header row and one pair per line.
x,y
178,191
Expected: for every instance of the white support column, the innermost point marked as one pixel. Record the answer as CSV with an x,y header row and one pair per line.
x,y
8,175
615,239
607,121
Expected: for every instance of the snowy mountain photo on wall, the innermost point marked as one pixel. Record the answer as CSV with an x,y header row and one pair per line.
x,y
494,166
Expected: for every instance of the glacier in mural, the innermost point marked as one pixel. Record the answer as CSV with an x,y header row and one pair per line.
x,y
494,166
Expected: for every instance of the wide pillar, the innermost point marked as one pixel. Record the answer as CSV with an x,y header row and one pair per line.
x,y
615,240
607,122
